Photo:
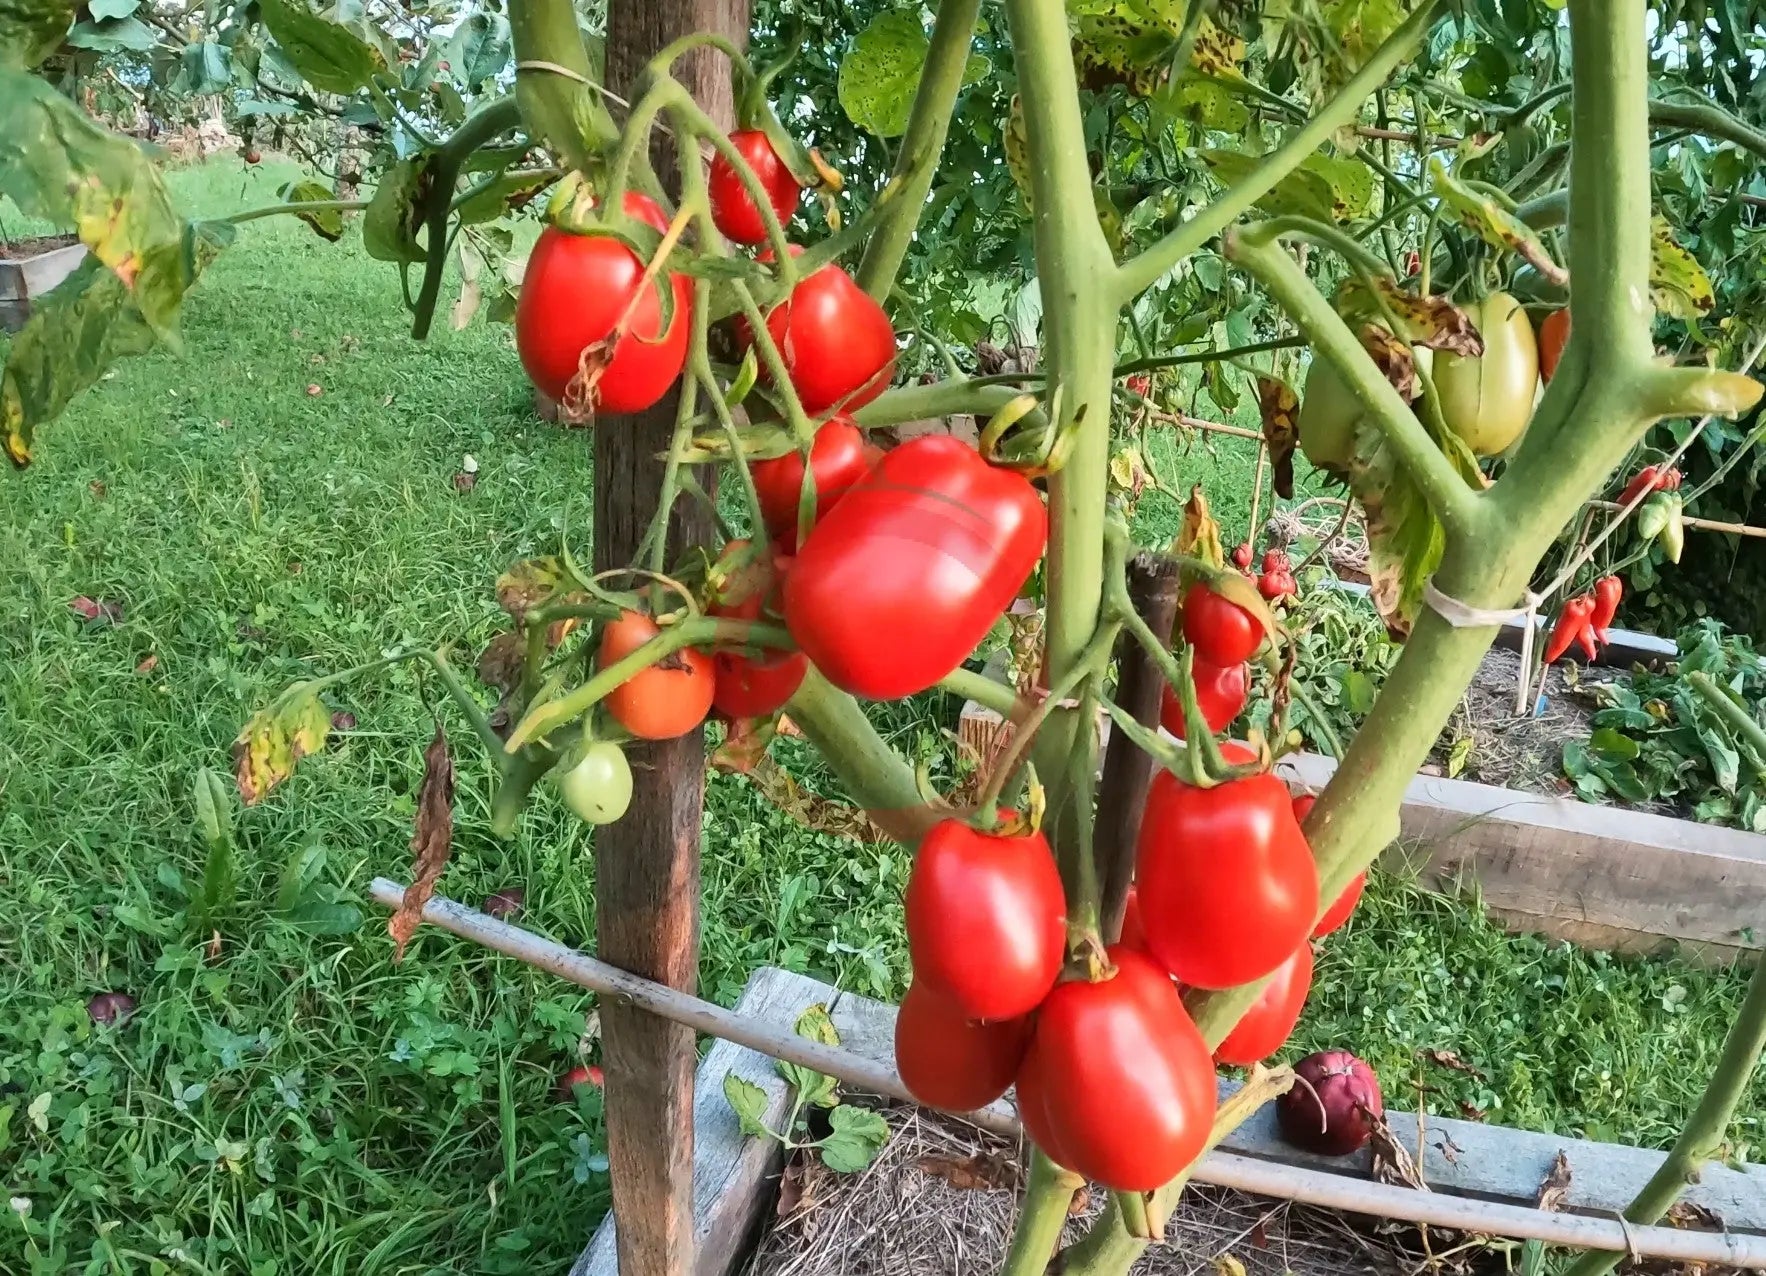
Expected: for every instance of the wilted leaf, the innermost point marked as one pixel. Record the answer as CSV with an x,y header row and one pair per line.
x,y
332,58
326,223
30,30
431,841
1280,408
1678,284
1393,355
815,1024
1432,321
1451,1061
529,583
744,745
96,611
824,815
880,73
1199,534
1480,213
1690,1214
276,738
500,663
1554,1189
395,214
857,1135
1404,538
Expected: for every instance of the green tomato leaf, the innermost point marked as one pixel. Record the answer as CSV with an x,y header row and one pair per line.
x,y
30,30
103,9
131,34
389,227
1613,743
480,48
1301,192
858,1134
326,223
1404,538
1624,719
1483,215
880,73
207,68
330,57
510,193
748,1101
1678,284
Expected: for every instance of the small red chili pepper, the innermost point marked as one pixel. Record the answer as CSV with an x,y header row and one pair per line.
x,y
1648,479
1571,621
1585,638
1608,590
1669,482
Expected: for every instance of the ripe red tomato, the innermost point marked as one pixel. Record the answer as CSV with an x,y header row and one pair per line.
x,y
1031,1095
838,458
1121,1078
754,682
1222,632
1221,693
574,290
731,207
1554,333
1337,913
1227,884
951,1062
904,577
666,700
1134,930
1271,1018
986,920
836,342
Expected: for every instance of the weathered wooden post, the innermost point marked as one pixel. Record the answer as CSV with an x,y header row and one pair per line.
x,y
647,864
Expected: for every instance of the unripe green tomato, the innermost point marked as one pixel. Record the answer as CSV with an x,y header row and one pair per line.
x,y
1488,400
595,782
1329,413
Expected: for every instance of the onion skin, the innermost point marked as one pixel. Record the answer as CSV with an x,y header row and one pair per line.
x,y
1350,1094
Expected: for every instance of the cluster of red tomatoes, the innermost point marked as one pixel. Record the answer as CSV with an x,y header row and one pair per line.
x,y
1113,1079
588,318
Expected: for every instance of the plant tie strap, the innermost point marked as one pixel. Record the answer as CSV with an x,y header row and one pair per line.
x,y
1464,616
556,69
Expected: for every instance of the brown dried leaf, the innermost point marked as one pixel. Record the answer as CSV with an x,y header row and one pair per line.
x,y
1199,537
431,841
1690,1214
1471,1111
465,481
1080,1203
274,739
1451,1061
501,662
809,809
96,611
1448,1149
1393,355
1392,1161
1554,1189
744,745
1281,431
988,1172
149,664
1432,321
529,583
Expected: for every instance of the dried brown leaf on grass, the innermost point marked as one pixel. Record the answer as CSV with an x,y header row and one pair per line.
x,y
981,1171
1554,1188
431,841
1451,1061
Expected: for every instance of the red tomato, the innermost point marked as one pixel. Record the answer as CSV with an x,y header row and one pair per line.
x,y
666,700
1033,1106
1553,334
986,920
836,342
1134,930
1242,556
1227,883
754,682
950,1062
1339,912
1221,693
731,207
901,580
1266,1025
1122,1076
838,458
574,290
1222,632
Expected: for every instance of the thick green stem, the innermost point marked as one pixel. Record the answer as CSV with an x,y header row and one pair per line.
x,y
1139,273
1711,120
555,85
941,398
483,125
876,776
989,693
1047,1195
902,198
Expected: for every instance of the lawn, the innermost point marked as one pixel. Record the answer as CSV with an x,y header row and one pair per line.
x,y
300,1104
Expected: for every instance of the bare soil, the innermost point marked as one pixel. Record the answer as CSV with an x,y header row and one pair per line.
x,y
36,246
1521,750
940,1199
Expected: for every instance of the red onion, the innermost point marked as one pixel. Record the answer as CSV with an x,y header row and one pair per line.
x,y
1333,1106
110,1007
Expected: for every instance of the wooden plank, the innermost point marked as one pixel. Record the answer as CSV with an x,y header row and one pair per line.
x,y
647,864
1464,1158
1579,871
730,1170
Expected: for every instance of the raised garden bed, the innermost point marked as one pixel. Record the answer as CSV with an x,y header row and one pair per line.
x,y
31,267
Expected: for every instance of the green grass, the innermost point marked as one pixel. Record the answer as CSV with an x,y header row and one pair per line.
x,y
302,1104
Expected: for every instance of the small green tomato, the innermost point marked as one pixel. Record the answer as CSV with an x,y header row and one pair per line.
x,y
595,781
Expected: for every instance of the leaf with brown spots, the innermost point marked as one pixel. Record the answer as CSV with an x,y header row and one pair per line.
x,y
809,809
1393,355
1280,407
273,740
1432,321
1491,221
1554,1188
431,841
531,583
1677,283
982,1172
1199,536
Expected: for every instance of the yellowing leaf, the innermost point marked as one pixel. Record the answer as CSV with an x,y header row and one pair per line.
x,y
1486,218
1302,192
1678,284
1404,538
274,739
326,223
880,73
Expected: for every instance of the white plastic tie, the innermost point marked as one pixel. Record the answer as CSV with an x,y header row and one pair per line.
x,y
1464,616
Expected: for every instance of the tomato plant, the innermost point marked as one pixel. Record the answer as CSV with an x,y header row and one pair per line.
x,y
665,700
732,208
1271,1018
948,1060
